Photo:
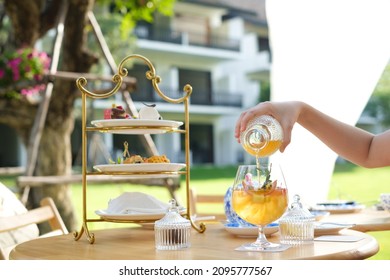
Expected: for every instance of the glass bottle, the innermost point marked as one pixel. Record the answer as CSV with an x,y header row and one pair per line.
x,y
297,225
262,137
173,231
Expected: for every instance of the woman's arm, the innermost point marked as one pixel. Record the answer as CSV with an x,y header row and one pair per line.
x,y
350,142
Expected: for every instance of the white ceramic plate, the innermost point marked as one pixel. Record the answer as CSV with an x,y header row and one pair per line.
x,y
329,228
249,231
339,209
131,217
140,167
137,126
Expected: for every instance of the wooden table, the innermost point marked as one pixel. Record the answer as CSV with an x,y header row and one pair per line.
x,y
215,243
365,220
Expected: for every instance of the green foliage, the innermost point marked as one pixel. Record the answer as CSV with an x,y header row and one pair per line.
x,y
379,104
363,185
383,103
383,86
117,20
265,94
133,11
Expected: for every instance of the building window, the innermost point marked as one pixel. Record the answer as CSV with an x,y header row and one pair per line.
x,y
200,81
201,143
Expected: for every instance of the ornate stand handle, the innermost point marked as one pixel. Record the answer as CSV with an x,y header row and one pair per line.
x,y
82,82
122,72
151,75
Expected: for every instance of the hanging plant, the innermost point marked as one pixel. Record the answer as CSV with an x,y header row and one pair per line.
x,y
22,72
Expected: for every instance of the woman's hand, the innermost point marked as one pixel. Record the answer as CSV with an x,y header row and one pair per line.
x,y
286,113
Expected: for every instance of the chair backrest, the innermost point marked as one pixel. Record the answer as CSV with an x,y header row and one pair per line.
x,y
47,212
207,206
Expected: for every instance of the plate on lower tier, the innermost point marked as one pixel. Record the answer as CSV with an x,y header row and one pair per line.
x,y
133,217
140,167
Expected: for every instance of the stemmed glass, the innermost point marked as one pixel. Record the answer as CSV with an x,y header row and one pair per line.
x,y
260,197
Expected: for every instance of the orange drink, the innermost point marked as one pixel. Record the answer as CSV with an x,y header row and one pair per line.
x,y
262,149
260,207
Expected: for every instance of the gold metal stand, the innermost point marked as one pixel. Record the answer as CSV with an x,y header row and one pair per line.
x,y
118,79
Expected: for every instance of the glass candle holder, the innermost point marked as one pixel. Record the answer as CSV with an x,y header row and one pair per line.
x,y
297,225
173,231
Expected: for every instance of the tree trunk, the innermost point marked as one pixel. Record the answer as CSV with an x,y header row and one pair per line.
x,y
30,20
55,159
55,147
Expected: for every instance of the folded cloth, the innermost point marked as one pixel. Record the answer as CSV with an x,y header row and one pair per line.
x,y
136,203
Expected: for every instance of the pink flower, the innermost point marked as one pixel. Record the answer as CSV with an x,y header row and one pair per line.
x,y
14,63
32,90
37,77
16,74
25,64
45,60
25,91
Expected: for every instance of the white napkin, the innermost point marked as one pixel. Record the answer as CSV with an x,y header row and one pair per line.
x,y
136,203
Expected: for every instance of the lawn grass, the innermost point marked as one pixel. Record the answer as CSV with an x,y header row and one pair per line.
x,y
348,182
364,186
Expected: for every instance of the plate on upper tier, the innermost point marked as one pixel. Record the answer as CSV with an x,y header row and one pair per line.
x,y
140,167
136,126
249,231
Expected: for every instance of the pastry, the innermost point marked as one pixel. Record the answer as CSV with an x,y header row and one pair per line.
x,y
157,159
133,159
116,112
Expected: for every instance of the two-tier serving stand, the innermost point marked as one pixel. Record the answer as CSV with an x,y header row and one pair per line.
x,y
118,80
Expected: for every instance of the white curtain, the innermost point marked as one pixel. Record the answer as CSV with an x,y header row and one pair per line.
x,y
330,54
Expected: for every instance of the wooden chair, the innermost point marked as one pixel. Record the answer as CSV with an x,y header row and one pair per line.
x,y
207,207
47,212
